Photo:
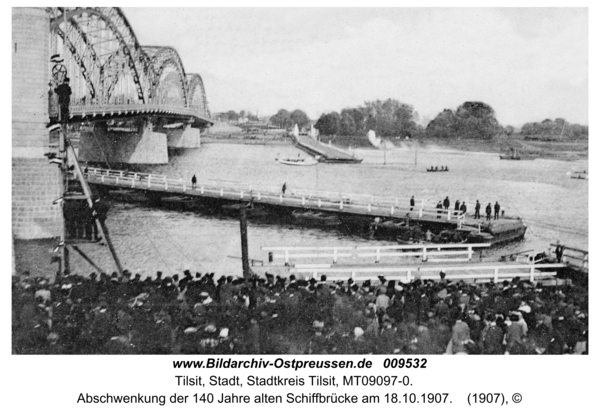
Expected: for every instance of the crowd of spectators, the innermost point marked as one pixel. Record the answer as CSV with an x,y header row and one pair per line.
x,y
199,314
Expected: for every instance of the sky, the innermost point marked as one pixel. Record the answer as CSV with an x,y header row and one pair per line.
x,y
529,64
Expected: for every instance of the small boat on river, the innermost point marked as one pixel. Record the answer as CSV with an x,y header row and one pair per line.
x,y
511,154
438,170
578,175
298,161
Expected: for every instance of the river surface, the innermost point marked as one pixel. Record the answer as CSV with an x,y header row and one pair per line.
x,y
554,206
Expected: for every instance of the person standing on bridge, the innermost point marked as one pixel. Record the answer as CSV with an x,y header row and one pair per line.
x,y
283,188
439,208
559,251
412,203
496,210
100,212
457,206
194,181
477,208
446,203
463,208
64,99
488,212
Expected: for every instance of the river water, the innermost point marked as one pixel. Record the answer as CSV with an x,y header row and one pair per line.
x,y
554,206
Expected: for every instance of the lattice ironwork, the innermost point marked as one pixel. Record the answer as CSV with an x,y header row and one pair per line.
x,y
197,94
107,65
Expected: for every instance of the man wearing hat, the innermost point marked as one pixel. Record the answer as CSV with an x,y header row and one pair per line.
x,y
64,99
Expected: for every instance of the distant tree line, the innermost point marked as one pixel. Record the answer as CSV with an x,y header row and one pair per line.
x,y
557,129
392,118
233,116
285,119
471,120
387,118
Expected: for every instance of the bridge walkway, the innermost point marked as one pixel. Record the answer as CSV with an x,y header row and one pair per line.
x,y
364,205
326,152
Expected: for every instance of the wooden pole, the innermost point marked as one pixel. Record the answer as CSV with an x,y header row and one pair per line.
x,y
87,259
88,195
416,149
384,152
64,258
244,237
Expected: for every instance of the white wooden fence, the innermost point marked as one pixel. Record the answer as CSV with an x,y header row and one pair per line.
x,y
426,252
323,200
477,273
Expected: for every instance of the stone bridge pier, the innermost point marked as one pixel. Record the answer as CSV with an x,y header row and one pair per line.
x,y
35,183
138,142
180,135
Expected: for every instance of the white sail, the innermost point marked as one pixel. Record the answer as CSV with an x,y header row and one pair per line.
x,y
296,131
314,133
376,142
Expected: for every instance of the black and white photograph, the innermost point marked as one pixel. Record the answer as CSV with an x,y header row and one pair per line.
x,y
300,181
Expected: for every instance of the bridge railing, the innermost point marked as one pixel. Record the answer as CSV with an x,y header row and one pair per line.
x,y
476,273
103,109
231,190
574,257
355,197
309,194
425,252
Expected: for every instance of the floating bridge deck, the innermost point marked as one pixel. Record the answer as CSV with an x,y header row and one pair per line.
x,y
326,153
354,205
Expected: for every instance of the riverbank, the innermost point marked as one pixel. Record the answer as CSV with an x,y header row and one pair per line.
x,y
564,151
247,139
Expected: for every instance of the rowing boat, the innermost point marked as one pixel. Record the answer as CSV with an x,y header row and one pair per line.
x,y
297,161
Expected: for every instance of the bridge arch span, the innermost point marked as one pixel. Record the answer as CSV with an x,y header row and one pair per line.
x,y
165,61
112,73
102,52
197,94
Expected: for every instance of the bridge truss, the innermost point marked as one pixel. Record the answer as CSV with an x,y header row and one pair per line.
x,y
109,68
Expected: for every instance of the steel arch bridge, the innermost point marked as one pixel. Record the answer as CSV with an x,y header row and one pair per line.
x,y
112,74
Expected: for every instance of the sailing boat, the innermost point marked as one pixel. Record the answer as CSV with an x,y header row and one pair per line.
x,y
376,142
314,133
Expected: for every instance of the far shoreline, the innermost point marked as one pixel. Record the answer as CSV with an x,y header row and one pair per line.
x,y
563,151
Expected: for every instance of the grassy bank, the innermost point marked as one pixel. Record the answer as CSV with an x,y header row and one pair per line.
x,y
565,150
